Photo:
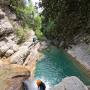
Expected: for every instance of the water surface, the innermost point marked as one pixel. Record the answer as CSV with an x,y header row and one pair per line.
x,y
56,65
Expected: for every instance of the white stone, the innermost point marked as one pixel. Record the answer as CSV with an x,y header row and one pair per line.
x,y
15,47
9,53
3,49
70,83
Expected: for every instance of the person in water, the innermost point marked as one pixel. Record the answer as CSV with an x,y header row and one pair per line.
x,y
41,85
28,85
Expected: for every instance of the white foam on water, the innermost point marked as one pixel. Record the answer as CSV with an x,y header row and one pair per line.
x,y
47,83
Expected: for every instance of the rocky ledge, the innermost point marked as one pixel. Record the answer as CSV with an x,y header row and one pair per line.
x,y
70,83
81,53
12,76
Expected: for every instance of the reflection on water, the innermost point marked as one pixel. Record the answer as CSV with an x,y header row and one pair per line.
x,y
56,65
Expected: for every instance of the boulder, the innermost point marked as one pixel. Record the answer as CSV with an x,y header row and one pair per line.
x,y
9,53
70,83
20,55
44,45
3,49
5,27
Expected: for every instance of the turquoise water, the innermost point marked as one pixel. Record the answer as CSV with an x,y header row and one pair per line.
x,y
56,65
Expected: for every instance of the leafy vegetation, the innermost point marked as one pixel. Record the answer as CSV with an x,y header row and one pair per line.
x,y
24,13
64,20
37,27
28,16
21,34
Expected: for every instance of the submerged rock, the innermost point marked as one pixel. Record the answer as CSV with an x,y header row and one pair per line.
x,y
70,83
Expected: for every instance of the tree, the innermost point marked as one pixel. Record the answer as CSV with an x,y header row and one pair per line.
x,y
70,17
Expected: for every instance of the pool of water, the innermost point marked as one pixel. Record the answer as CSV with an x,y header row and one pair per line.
x,y
56,65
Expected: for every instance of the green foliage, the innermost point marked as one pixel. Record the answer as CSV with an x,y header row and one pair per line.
x,y
37,27
28,16
39,34
65,19
37,22
21,34
24,13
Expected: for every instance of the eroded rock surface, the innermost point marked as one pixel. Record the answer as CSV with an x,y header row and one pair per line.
x,y
70,83
81,53
12,76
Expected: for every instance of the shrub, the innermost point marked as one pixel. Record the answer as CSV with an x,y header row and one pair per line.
x,y
21,34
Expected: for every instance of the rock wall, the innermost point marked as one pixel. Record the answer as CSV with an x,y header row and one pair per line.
x,y
81,55
8,44
9,47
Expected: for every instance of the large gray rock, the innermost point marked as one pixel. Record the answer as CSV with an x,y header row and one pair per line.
x,y
3,49
8,47
20,55
9,53
70,83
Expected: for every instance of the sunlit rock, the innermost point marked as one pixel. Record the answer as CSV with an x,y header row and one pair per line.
x,y
12,76
20,55
15,47
3,49
70,83
9,53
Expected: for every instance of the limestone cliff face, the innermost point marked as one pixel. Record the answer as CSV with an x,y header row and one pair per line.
x,y
12,54
9,46
8,39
